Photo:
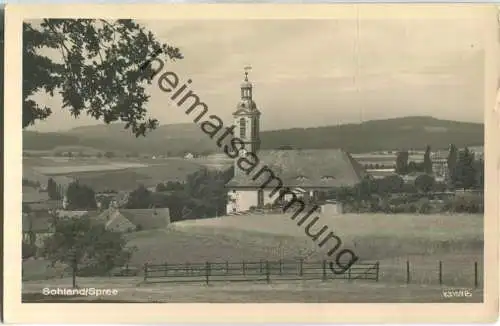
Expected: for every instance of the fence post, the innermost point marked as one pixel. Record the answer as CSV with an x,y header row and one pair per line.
x,y
440,272
324,270
407,272
207,272
301,267
378,270
268,274
476,281
145,272
244,268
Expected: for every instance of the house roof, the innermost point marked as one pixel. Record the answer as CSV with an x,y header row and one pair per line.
x,y
309,168
75,214
44,206
37,224
32,195
119,221
147,218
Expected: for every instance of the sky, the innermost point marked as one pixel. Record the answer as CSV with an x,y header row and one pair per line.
x,y
310,73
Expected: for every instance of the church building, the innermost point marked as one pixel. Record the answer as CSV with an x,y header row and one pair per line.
x,y
306,172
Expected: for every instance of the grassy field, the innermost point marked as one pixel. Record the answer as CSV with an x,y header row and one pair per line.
x,y
386,159
118,174
131,290
424,240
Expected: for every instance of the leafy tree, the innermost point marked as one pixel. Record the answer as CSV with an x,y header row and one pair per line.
x,y
53,190
427,165
365,189
82,243
28,250
415,167
452,163
174,185
402,162
161,187
424,183
479,171
109,154
465,174
343,194
140,198
208,191
97,71
390,184
80,197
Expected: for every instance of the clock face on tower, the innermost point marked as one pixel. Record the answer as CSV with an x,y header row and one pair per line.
x,y
242,152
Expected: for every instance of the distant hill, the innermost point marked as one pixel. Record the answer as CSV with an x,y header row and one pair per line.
x,y
176,139
374,135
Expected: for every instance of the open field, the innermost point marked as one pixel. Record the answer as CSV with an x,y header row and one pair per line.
x,y
114,174
424,240
283,292
387,159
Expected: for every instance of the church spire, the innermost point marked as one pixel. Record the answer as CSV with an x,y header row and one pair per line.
x,y
246,86
247,117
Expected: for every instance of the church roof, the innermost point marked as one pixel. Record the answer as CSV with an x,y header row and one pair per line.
x,y
309,168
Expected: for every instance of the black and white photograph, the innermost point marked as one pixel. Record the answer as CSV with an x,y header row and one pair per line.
x,y
262,160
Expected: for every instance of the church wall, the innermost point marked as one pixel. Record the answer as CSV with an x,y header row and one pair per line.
x,y
270,200
331,209
243,200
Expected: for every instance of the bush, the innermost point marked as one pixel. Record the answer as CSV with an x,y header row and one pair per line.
x,y
439,187
92,270
467,204
29,250
424,207
424,183
411,208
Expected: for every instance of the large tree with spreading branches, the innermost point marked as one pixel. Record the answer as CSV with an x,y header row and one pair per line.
x,y
94,64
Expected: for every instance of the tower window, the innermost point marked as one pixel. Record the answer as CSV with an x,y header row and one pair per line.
x,y
243,127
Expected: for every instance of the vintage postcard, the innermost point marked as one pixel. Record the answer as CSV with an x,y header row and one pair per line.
x,y
294,161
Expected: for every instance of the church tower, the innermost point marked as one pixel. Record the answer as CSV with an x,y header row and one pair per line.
x,y
247,118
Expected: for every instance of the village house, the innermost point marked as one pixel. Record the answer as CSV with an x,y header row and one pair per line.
x,y
128,220
439,161
305,172
36,228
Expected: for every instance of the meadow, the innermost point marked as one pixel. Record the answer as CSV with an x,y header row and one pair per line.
x,y
424,240
116,173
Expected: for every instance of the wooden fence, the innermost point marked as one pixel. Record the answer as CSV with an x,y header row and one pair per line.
x,y
255,271
472,266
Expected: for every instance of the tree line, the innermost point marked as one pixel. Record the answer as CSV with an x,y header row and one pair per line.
x,y
465,171
202,195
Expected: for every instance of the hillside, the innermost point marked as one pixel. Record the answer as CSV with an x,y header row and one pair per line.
x,y
176,139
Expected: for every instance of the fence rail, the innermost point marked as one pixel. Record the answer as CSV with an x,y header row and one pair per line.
x,y
255,271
